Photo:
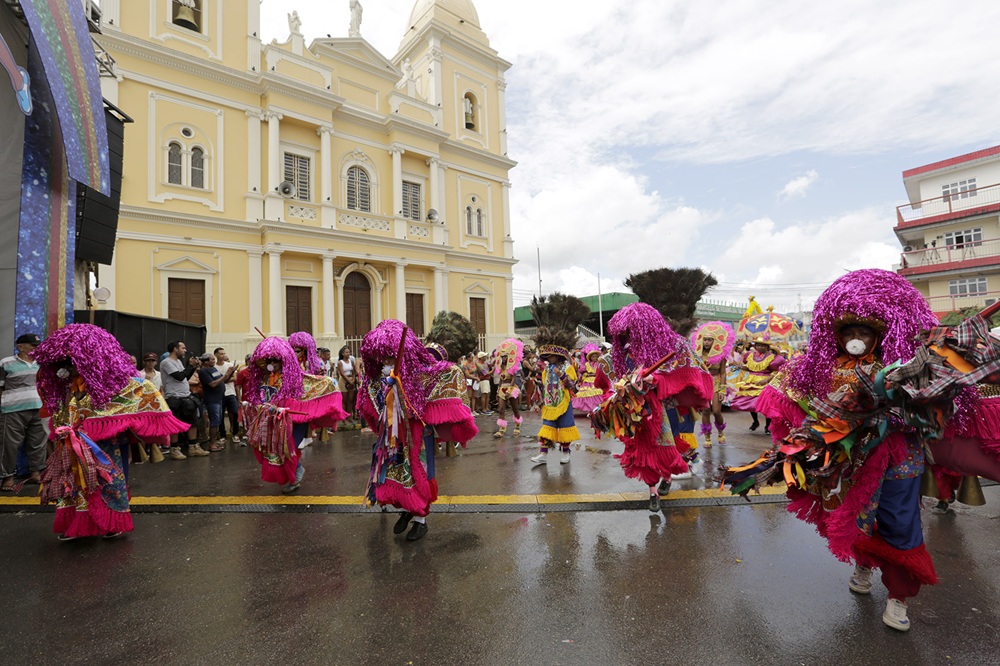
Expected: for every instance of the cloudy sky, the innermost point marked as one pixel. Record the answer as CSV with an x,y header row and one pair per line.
x,y
762,140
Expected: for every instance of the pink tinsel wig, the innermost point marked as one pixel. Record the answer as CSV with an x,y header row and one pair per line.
x,y
97,356
421,371
871,294
722,333
301,339
589,349
647,333
273,348
509,354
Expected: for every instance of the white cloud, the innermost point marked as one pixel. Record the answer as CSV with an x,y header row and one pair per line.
x,y
796,187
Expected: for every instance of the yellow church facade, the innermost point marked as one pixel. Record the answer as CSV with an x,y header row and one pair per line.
x,y
320,187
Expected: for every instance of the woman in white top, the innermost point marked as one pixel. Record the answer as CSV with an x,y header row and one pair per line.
x,y
347,378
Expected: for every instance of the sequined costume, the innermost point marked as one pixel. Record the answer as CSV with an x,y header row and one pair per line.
x,y
588,395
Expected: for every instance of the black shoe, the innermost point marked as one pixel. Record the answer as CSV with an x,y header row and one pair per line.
x,y
664,487
754,426
417,532
404,520
654,503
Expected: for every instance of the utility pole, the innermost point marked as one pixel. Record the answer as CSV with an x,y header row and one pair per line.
x,y
538,254
600,307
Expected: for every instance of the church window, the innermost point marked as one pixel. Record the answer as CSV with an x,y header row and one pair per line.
x,y
174,171
297,172
359,190
198,168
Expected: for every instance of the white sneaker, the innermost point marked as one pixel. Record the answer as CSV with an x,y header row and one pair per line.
x,y
565,458
861,581
539,459
895,615
306,441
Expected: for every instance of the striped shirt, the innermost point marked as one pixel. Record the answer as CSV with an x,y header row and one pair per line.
x,y
17,378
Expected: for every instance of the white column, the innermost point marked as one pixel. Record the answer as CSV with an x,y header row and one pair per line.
x,y
328,216
397,180
434,93
274,205
401,291
440,289
339,282
329,305
434,164
502,102
255,280
276,322
510,306
508,241
255,197
253,35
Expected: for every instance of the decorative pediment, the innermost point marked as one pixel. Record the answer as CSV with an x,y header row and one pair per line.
x,y
478,289
359,50
186,264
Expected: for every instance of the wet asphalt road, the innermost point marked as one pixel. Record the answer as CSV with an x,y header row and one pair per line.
x,y
744,584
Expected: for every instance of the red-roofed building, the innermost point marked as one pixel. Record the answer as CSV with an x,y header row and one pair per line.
x,y
950,230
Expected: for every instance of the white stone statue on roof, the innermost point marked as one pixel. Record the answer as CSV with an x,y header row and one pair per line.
x,y
294,23
356,11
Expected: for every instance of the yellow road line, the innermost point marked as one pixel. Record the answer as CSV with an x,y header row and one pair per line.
x,y
348,500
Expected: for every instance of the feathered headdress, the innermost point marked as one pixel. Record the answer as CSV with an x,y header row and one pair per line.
x,y
277,349
453,332
421,371
302,340
882,300
557,317
647,334
723,340
97,356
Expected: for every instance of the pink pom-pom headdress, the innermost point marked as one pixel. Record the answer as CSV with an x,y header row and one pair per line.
x,y
876,298
421,371
273,349
302,340
95,354
647,333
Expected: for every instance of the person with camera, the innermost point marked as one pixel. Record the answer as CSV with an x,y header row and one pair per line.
x,y
177,392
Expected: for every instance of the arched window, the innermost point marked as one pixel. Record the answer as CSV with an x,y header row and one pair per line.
x,y
471,108
468,220
359,192
174,174
480,227
198,168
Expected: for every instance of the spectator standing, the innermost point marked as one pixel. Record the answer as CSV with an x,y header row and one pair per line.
x,y
213,386
347,379
19,404
149,370
483,373
177,392
471,373
230,404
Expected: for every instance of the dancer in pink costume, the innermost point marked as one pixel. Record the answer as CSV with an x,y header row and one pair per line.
x,y
714,342
507,368
588,395
761,362
88,384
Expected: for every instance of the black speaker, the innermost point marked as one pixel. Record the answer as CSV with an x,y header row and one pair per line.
x,y
97,214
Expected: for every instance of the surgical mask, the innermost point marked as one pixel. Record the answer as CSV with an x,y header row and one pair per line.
x,y
62,373
387,370
856,347
270,367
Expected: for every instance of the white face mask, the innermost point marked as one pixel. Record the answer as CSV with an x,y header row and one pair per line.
x,y
856,347
387,370
62,373
270,367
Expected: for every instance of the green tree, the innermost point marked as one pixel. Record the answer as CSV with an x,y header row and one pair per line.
x,y
674,292
453,332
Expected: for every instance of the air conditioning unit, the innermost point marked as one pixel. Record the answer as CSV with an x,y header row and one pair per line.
x,y
907,248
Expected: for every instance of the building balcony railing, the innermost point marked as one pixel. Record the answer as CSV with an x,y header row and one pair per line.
x,y
939,258
953,206
944,304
